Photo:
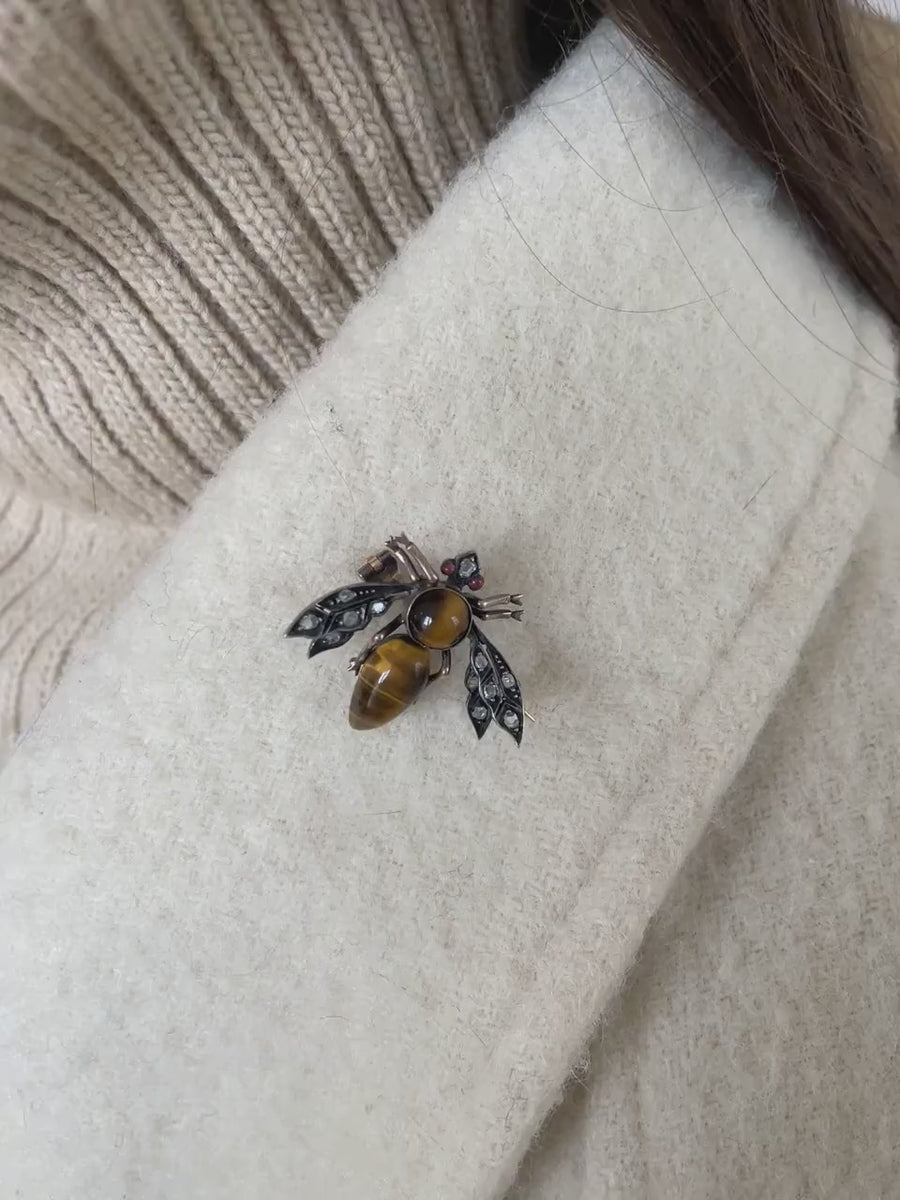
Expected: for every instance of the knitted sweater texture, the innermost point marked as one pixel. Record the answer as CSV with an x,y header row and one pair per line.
x,y
194,193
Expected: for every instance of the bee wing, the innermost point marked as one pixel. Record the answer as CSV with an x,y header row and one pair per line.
x,y
494,692
333,619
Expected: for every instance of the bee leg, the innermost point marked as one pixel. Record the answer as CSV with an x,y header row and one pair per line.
x,y
409,556
498,607
402,560
501,601
381,636
444,668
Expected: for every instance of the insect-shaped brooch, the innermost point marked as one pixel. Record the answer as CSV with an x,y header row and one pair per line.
x,y
437,614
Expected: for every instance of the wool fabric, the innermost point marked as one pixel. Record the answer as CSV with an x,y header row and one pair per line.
x,y
248,951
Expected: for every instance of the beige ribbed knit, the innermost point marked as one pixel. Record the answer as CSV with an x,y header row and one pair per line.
x,y
193,194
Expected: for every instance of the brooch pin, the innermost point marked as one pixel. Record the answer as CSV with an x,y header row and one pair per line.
x,y
437,614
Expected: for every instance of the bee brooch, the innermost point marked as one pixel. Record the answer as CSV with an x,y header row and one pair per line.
x,y
437,614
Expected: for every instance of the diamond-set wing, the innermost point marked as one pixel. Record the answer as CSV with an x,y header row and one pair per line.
x,y
332,620
494,692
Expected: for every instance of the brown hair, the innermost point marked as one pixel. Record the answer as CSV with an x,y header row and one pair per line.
x,y
805,86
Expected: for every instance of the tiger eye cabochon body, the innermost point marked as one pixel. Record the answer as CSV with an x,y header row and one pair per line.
x,y
439,618
395,673
391,678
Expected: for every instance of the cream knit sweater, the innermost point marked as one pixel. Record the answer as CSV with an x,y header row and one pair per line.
x,y
194,193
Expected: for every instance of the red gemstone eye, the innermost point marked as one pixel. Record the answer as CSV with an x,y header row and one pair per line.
x,y
448,566
476,583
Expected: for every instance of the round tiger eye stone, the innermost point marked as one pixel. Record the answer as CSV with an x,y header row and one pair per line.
x,y
439,618
393,675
